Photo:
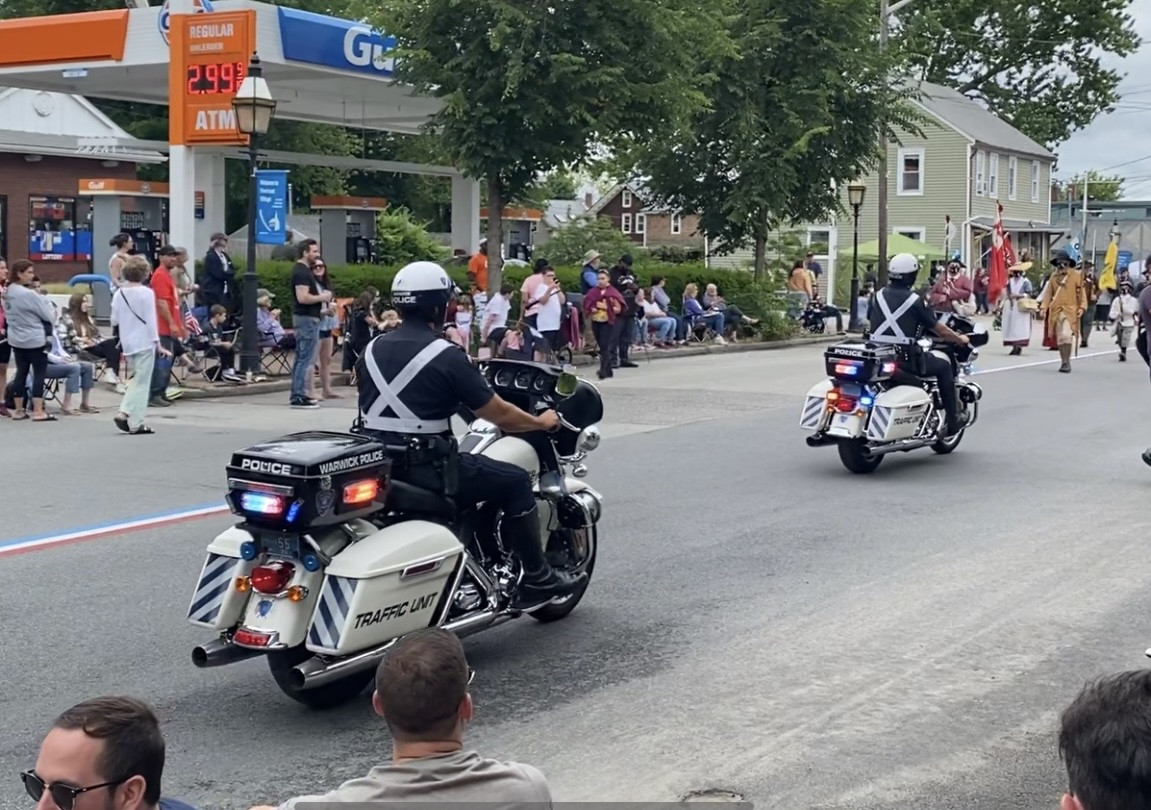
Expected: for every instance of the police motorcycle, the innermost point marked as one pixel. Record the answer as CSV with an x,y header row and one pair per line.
x,y
868,409
333,561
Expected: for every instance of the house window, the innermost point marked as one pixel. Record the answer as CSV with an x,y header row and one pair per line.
x,y
52,231
676,224
625,199
919,234
1035,181
993,175
910,171
980,161
640,223
626,223
1012,173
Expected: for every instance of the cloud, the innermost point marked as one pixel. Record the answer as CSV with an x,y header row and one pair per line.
x,y
1120,142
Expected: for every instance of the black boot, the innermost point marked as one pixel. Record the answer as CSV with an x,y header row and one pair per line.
x,y
541,582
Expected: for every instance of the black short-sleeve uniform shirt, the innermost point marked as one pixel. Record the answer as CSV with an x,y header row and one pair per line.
x,y
302,276
915,323
448,381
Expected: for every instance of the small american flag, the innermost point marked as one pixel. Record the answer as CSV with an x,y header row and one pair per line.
x,y
192,324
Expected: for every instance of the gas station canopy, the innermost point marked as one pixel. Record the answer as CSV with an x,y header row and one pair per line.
x,y
321,69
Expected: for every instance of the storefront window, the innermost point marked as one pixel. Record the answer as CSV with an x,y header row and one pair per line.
x,y
54,235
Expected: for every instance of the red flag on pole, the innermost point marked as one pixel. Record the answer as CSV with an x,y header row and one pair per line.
x,y
1000,249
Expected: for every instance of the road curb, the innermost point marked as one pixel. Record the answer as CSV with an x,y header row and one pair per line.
x,y
276,386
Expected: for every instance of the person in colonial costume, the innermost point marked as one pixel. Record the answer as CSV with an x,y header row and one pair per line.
x,y
1091,287
1124,310
1015,314
1064,302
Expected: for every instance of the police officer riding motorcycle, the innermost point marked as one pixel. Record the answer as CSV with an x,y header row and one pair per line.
x,y
898,316
411,382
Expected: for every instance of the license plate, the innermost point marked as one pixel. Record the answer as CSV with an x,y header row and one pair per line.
x,y
846,424
281,545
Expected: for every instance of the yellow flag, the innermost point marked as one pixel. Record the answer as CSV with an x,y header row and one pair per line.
x,y
1107,279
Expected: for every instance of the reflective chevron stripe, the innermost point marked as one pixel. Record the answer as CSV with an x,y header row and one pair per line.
x,y
214,583
813,412
332,613
880,419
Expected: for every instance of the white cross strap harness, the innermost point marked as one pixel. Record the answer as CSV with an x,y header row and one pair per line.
x,y
405,420
890,331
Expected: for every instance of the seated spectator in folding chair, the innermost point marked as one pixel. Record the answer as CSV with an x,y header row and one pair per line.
x,y
78,375
223,345
695,315
654,320
81,337
274,340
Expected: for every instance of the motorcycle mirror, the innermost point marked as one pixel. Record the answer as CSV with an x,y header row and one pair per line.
x,y
568,381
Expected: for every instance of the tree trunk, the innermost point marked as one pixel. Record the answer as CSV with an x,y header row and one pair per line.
x,y
760,255
495,236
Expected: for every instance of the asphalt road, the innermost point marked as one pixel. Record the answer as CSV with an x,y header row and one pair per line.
x,y
761,621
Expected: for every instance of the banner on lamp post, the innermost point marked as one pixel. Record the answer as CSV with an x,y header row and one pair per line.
x,y
271,206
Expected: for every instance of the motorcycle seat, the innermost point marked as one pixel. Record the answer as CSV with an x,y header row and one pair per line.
x,y
408,498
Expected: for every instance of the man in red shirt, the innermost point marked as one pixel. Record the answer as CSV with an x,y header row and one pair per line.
x,y
168,321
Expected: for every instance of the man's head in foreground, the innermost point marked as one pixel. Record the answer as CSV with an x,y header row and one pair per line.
x,y
422,691
1106,743
103,754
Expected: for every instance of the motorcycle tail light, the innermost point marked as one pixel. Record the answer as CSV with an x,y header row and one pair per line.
x,y
271,578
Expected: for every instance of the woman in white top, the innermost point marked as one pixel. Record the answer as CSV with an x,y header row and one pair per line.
x,y
123,244
134,315
551,300
1123,311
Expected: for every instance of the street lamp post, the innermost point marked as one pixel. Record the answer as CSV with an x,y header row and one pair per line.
x,y
855,194
254,108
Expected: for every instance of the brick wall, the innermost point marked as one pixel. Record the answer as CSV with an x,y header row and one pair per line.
x,y
615,211
49,177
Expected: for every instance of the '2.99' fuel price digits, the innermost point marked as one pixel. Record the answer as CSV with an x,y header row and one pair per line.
x,y
218,78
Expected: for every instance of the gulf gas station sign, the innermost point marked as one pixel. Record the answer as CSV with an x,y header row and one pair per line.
x,y
209,59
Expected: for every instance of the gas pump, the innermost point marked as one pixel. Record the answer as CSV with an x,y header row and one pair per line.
x,y
139,209
348,228
520,226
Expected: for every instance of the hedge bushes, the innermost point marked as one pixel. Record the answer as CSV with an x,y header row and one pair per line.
x,y
349,281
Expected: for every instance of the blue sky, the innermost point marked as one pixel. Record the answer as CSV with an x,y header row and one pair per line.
x,y
1120,143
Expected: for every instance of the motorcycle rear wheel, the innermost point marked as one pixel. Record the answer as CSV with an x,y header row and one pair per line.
x,y
328,696
560,608
851,453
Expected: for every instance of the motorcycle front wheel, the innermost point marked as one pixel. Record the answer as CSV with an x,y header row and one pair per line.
x,y
852,454
569,552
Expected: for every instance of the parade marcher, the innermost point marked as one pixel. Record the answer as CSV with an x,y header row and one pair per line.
x,y
1091,290
1016,318
1063,304
899,317
1124,309
412,381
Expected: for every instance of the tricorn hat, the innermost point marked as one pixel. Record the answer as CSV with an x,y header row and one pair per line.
x,y
1021,267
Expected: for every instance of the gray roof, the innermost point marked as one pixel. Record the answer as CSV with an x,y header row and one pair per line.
x,y
970,118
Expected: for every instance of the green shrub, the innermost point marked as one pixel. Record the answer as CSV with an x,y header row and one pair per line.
x,y
569,243
400,239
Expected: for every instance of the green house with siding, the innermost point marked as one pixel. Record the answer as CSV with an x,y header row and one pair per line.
x,y
943,185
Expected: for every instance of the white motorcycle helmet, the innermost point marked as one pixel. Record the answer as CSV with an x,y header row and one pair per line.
x,y
903,268
422,290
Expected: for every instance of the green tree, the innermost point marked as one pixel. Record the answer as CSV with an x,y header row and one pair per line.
x,y
1099,187
568,244
531,87
796,110
559,185
1039,66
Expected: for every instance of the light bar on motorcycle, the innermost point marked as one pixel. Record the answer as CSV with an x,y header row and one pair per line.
x,y
359,492
261,503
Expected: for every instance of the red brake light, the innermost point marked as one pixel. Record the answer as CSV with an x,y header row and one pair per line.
x,y
250,638
272,578
361,491
841,402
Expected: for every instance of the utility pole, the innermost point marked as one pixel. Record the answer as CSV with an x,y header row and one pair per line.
x,y
885,12
881,187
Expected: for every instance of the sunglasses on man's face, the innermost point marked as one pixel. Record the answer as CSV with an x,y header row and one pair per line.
x,y
63,796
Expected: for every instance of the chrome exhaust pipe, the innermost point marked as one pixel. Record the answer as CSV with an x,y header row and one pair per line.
x,y
220,652
318,672
899,447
